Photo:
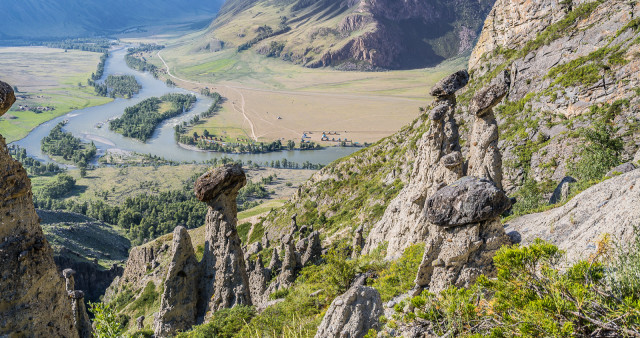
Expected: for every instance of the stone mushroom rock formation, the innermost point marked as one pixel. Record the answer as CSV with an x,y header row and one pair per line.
x,y
33,297
178,304
224,281
275,264
439,162
80,318
468,200
464,233
352,314
289,263
485,160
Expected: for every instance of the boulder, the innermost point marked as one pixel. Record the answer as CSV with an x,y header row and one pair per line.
x,y
178,304
489,96
562,191
621,169
352,314
7,97
450,84
224,281
468,200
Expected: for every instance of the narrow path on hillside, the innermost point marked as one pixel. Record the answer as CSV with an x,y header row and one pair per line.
x,y
243,112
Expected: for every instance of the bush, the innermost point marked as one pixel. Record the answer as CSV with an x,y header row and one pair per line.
x,y
400,275
105,321
225,323
533,296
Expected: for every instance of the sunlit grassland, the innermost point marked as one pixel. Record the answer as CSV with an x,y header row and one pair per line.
x,y
46,77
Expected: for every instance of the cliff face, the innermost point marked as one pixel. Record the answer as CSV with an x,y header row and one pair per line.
x,y
354,34
33,298
572,64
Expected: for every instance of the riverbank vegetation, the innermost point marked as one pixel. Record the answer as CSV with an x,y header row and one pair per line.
x,y
69,148
52,83
137,61
118,85
141,120
32,165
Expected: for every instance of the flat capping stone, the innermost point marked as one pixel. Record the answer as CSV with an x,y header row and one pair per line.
x,y
222,180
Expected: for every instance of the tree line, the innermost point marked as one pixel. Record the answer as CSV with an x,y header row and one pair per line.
x,y
32,165
141,120
118,85
70,148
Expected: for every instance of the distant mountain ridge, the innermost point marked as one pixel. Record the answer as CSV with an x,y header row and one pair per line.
x,y
352,34
79,18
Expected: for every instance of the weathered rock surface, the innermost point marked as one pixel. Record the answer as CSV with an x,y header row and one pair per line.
x,y
543,80
621,169
610,207
33,296
468,200
178,304
438,163
352,314
450,84
7,97
485,159
224,281
258,278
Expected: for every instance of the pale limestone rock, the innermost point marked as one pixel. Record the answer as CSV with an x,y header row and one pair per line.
x,y
352,314
224,281
33,297
439,162
178,304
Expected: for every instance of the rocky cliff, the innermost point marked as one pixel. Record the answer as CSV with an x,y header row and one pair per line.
x,y
572,64
33,297
352,34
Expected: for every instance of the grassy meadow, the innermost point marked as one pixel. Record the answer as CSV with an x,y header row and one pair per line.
x,y
46,77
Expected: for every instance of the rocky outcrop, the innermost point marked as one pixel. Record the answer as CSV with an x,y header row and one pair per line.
x,y
33,296
179,301
485,159
352,314
224,281
565,58
438,163
608,209
464,233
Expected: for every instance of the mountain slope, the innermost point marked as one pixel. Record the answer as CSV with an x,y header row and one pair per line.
x,y
542,122
71,18
351,34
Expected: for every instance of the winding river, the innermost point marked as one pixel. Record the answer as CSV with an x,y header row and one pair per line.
x,y
85,124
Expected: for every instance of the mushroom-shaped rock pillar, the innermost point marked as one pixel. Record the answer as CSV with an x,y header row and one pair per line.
x,y
464,233
224,281
438,162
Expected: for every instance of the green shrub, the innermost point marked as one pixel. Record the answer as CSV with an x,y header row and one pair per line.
x,y
399,276
533,295
105,321
225,323
146,300
601,151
